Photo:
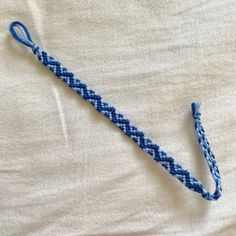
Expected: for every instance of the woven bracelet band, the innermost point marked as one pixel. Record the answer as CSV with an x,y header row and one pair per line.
x,y
138,136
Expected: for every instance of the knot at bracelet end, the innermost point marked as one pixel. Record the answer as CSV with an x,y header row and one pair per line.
x,y
195,110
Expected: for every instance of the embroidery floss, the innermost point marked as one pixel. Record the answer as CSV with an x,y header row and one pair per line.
x,y
138,136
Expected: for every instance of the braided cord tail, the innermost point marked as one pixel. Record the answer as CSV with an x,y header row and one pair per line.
x,y
131,130
205,146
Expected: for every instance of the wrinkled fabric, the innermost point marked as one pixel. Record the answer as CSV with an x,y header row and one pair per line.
x,y
65,169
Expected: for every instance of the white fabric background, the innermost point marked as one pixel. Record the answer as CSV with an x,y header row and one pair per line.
x,y
65,169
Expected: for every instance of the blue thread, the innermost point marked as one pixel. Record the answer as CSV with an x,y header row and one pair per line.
x,y
127,127
26,40
195,108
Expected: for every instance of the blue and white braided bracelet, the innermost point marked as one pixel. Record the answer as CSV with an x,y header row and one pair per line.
x,y
125,125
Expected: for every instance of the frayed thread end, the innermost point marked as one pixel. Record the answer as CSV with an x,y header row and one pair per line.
x,y
195,108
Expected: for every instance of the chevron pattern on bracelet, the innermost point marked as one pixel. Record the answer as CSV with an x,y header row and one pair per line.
x,y
137,135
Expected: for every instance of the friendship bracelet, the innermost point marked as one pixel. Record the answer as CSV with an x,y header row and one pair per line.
x,y
128,128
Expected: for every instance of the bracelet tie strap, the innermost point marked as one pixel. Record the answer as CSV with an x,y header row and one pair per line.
x,y
138,136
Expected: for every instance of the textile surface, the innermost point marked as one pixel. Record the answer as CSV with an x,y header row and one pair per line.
x,y
65,169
